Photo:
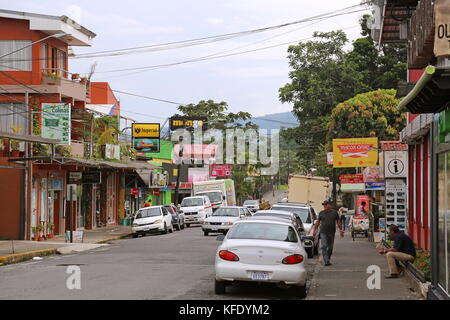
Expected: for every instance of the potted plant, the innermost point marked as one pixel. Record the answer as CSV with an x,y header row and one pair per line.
x,y
75,76
14,148
33,231
40,149
39,229
51,226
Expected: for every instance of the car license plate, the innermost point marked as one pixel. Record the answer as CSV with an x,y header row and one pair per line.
x,y
257,276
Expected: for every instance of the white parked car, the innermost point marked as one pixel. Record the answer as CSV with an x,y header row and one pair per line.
x,y
152,219
252,205
223,219
258,250
195,209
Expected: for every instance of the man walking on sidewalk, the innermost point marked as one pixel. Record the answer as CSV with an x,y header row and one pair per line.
x,y
328,218
403,250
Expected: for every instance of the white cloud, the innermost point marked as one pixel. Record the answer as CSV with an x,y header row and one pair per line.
x,y
215,21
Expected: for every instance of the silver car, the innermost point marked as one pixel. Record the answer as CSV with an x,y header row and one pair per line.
x,y
252,205
223,219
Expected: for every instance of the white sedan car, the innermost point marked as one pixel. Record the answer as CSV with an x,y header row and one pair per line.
x,y
261,251
152,219
223,219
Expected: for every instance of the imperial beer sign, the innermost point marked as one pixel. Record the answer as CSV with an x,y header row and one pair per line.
x,y
355,152
442,28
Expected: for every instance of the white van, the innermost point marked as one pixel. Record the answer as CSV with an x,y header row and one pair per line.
x,y
196,209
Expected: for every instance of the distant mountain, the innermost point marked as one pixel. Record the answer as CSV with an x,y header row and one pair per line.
x,y
276,120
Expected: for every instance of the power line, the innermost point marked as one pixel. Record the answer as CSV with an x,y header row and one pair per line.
x,y
202,40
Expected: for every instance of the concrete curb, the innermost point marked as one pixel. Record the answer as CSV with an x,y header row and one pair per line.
x,y
115,238
419,288
19,257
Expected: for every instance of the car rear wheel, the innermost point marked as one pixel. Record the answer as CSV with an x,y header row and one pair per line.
x,y
135,235
219,287
187,225
310,252
206,233
182,226
300,291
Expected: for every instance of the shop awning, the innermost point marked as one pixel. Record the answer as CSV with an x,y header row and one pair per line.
x,y
431,94
88,162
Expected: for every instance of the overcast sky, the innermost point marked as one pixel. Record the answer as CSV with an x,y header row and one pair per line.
x,y
248,82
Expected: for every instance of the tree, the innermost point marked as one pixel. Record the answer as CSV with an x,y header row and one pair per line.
x,y
217,115
324,74
371,114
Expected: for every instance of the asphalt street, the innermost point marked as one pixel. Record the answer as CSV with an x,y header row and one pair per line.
x,y
172,266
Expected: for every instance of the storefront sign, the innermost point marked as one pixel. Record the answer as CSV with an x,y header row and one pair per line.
x,y
75,177
182,185
198,174
442,28
355,152
351,178
185,122
395,164
220,170
90,177
145,130
55,122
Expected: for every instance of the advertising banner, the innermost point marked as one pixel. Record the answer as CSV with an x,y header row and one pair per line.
x,y
145,130
55,122
185,122
146,145
362,205
355,152
373,178
220,170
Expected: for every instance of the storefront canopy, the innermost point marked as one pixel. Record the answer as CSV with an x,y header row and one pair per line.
x,y
431,93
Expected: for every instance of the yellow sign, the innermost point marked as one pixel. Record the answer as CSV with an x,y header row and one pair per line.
x,y
145,130
355,152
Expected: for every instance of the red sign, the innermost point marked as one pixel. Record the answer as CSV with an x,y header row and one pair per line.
x,y
362,205
393,146
183,185
220,170
156,192
135,192
351,178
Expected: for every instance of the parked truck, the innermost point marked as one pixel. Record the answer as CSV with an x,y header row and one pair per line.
x,y
309,189
220,192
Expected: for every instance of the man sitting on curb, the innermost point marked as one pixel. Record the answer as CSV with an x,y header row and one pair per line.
x,y
403,250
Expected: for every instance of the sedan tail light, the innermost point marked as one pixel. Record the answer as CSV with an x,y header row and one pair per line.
x,y
293,259
227,255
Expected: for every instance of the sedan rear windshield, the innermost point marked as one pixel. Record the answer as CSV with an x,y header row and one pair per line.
x,y
263,231
251,203
267,214
303,213
149,212
227,212
192,202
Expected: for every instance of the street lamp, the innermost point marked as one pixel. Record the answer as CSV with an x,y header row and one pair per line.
x,y
56,35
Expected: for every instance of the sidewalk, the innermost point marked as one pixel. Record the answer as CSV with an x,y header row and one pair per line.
x,y
21,250
346,278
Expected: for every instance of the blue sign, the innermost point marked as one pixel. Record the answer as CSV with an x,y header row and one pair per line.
x,y
375,186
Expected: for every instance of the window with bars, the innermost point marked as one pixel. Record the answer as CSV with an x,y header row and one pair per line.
x,y
17,55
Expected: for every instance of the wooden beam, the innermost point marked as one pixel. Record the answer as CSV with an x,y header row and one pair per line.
x,y
23,137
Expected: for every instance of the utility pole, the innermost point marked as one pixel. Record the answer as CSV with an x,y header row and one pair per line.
x,y
334,188
180,154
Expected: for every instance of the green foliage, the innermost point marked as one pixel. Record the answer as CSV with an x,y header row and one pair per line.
x,y
216,113
323,75
373,114
423,262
